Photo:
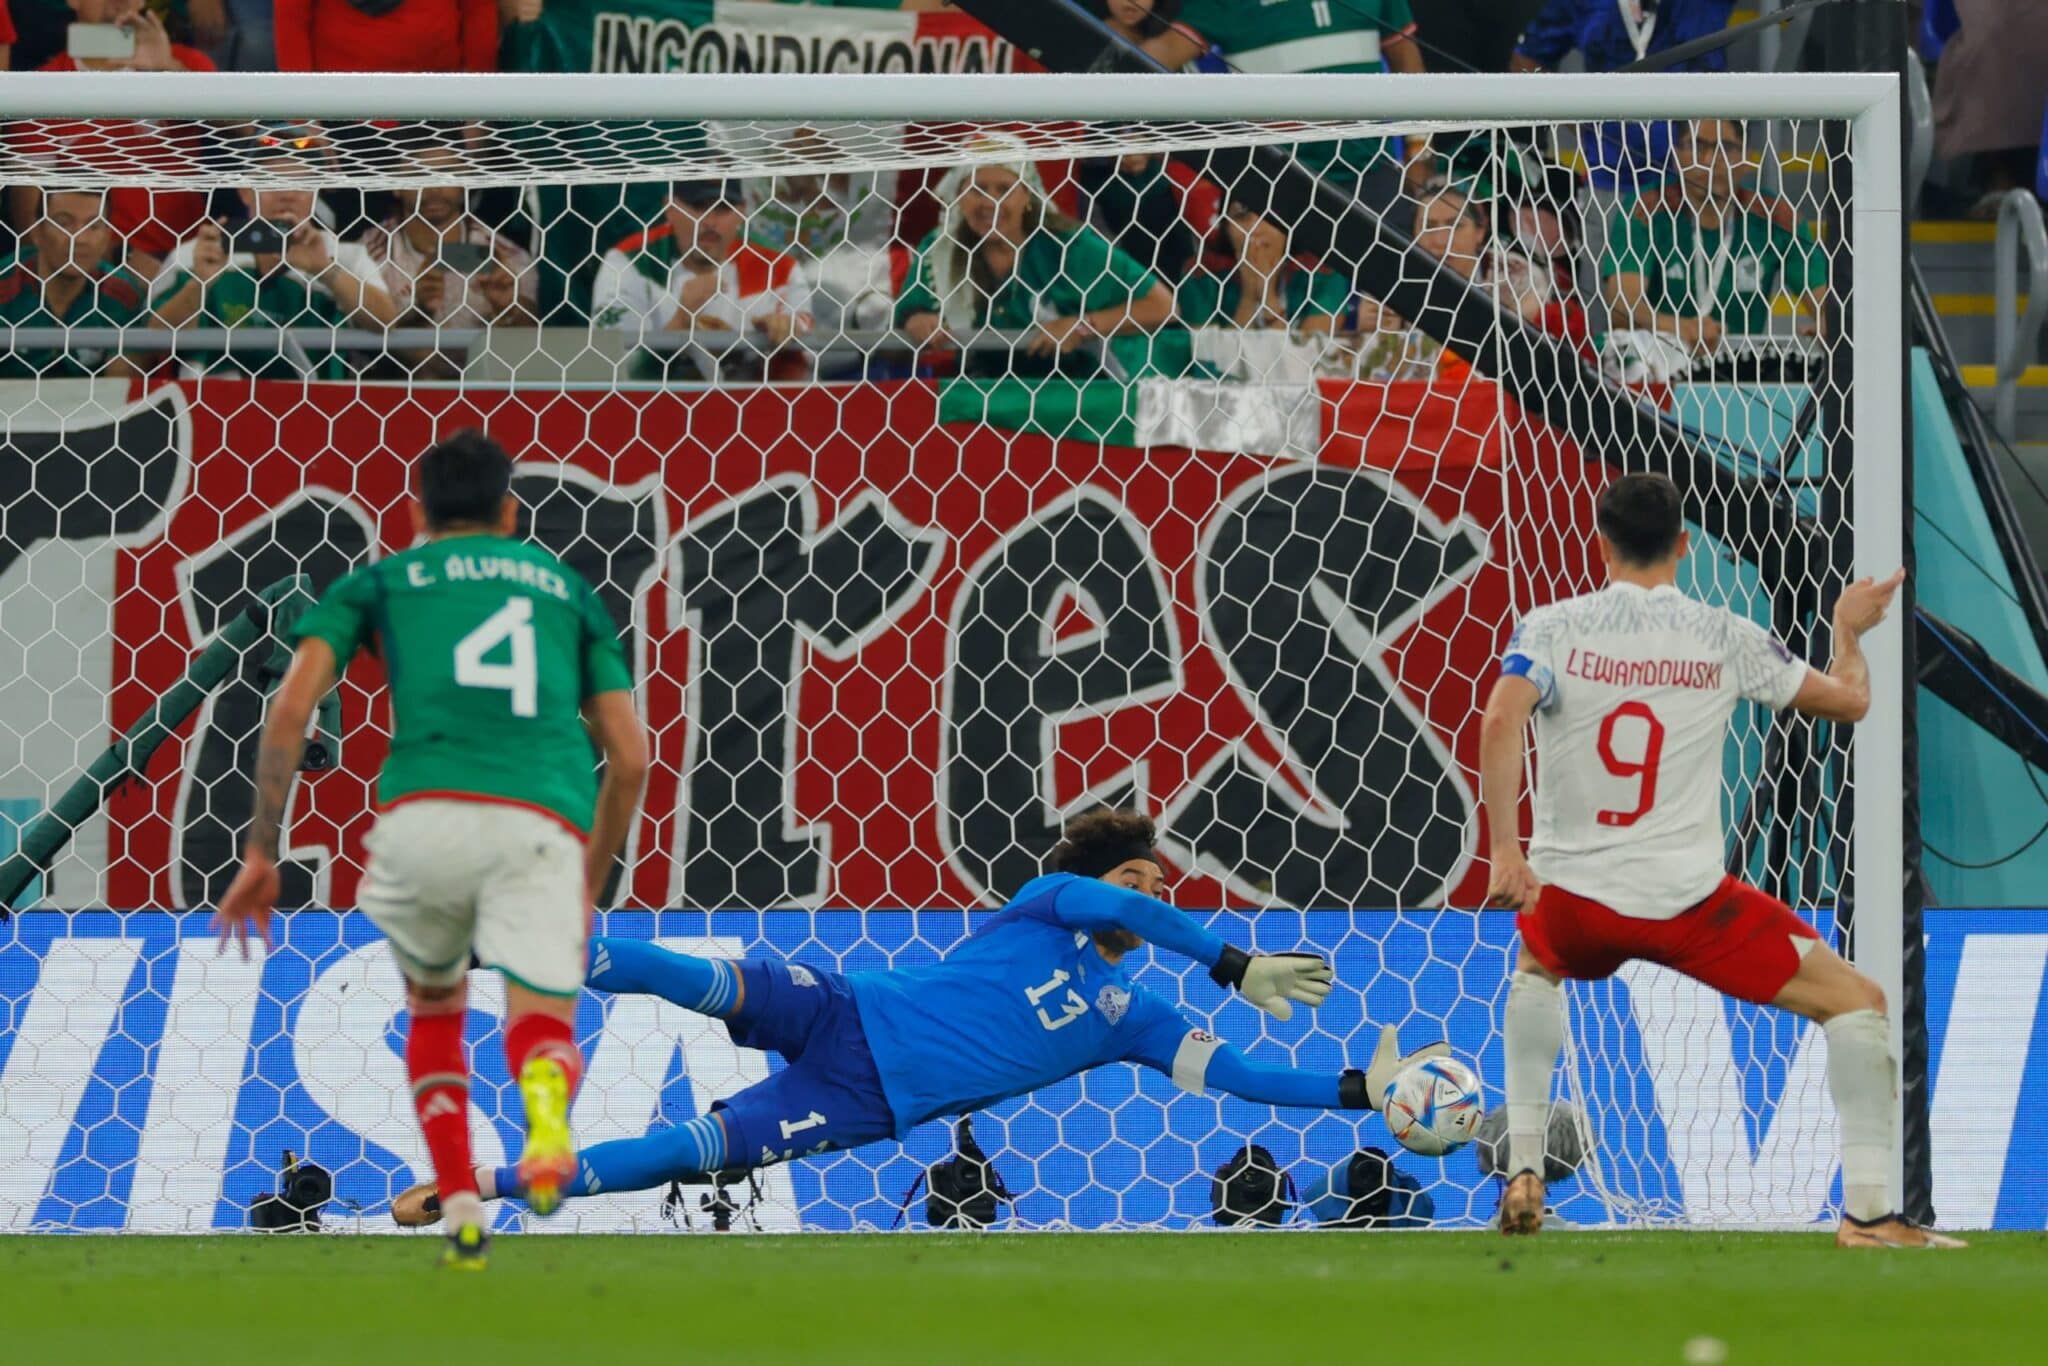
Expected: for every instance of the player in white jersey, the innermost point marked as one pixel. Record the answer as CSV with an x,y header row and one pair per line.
x,y
1631,689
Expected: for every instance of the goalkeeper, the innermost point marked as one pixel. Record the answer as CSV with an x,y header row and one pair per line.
x,y
1040,992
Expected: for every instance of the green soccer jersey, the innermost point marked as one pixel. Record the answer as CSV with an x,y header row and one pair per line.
x,y
490,647
112,299
1060,273
1206,299
1731,272
1292,37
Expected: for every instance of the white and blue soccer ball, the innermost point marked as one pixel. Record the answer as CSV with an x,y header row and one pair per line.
x,y
1434,1106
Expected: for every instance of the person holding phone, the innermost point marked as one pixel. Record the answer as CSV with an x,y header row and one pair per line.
x,y
119,35
445,267
277,268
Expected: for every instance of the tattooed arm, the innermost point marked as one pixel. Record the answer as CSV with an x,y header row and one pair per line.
x,y
249,902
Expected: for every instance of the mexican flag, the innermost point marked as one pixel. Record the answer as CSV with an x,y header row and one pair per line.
x,y
1386,425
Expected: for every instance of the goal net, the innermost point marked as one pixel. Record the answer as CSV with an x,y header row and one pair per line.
x,y
945,476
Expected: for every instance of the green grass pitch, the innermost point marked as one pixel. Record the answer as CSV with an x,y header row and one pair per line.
x,y
1578,1298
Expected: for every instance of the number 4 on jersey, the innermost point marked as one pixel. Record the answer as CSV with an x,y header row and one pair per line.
x,y
510,625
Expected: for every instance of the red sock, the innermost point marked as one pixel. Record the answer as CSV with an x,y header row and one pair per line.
x,y
536,1035
440,1097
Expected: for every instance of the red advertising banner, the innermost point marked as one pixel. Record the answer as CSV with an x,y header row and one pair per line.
x,y
880,655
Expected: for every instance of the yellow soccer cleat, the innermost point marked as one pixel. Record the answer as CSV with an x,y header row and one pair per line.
x,y
469,1249
549,1162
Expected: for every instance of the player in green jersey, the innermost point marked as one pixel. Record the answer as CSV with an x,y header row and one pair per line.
x,y
494,835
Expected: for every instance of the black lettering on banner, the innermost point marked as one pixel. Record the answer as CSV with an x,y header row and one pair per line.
x,y
315,533
612,536
1009,680
707,50
1307,577
85,483
758,585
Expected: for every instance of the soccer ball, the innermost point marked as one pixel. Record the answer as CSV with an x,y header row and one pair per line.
x,y
1434,1106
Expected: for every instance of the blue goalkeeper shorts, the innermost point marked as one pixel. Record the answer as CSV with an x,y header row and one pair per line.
x,y
829,1096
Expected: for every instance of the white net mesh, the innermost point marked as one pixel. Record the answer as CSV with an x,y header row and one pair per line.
x,y
942,480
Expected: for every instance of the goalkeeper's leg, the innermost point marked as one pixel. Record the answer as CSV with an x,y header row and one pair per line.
x,y
830,1096
709,986
766,1003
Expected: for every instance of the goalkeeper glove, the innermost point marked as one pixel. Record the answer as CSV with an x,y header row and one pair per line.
x,y
1274,981
1367,1090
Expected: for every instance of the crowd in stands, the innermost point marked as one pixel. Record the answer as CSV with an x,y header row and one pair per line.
x,y
1647,247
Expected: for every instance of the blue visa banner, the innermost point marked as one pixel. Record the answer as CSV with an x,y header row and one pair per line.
x,y
149,1083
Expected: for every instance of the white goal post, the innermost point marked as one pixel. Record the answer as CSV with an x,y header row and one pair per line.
x,y
88,983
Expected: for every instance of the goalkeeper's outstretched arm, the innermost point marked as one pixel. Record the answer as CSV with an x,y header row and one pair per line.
x,y
1272,982
1200,1062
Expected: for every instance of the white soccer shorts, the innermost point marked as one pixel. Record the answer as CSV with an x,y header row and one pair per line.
x,y
446,877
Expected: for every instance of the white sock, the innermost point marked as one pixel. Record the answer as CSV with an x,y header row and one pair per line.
x,y
461,1210
487,1182
1534,1025
1863,1078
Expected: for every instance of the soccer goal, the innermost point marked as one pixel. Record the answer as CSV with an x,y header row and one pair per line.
x,y
954,454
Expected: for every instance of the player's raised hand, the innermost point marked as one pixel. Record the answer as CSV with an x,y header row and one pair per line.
x,y
1514,885
1275,981
248,904
1863,604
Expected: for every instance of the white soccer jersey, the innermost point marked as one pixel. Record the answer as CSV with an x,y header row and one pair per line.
x,y
1637,686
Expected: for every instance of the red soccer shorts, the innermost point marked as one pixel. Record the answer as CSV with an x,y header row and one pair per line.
x,y
1739,941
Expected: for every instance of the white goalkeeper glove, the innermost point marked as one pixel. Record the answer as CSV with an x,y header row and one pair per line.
x,y
1388,1062
1275,981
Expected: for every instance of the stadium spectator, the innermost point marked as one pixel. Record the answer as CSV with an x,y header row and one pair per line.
x,y
7,37
1622,157
835,230
248,34
1248,279
147,223
1471,35
695,274
1294,36
1005,257
1989,96
279,267
445,267
410,35
63,276
1134,201
1150,25
1452,227
1705,256
1251,309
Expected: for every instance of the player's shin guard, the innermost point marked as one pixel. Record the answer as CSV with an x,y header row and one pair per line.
x,y
535,1035
440,1097
1534,1029
542,1051
1863,1078
709,986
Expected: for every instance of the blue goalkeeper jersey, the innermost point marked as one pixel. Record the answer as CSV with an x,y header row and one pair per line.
x,y
1027,1000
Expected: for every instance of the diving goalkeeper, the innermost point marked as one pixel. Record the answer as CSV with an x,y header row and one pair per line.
x,y
1040,992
